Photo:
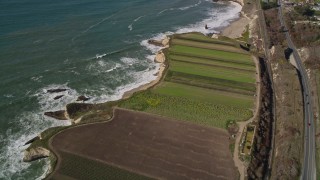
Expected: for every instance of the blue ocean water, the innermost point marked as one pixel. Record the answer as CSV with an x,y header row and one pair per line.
x,y
96,48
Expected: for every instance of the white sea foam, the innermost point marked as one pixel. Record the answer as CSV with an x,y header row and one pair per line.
x,y
130,27
218,18
29,125
8,95
36,78
98,56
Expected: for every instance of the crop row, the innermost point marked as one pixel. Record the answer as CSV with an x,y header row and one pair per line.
x,y
184,108
201,38
78,167
207,45
214,72
212,62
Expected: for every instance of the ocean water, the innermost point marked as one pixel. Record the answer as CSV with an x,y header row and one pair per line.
x,y
96,48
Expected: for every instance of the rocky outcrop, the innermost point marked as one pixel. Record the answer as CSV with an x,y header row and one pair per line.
x,y
60,115
155,42
160,57
32,140
58,97
35,154
161,43
165,41
74,109
83,98
56,90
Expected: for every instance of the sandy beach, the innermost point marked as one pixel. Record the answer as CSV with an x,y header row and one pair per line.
x,y
236,28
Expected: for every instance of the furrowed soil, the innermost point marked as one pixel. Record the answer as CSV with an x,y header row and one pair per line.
x,y
142,144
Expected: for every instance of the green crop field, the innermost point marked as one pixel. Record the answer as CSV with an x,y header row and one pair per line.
x,y
209,82
77,167
204,94
206,45
185,108
201,38
208,53
212,62
214,72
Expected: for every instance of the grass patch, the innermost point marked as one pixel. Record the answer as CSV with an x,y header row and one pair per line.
x,y
212,62
82,168
182,108
214,72
202,38
208,53
248,140
204,95
207,45
211,83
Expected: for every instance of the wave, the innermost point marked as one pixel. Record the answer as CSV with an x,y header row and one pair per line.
x,y
191,6
93,26
130,27
98,56
218,18
27,126
181,8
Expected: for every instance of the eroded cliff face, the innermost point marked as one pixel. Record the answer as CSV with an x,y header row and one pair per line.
x,y
35,154
258,167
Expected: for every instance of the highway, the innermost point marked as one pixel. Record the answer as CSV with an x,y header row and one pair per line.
x,y
309,165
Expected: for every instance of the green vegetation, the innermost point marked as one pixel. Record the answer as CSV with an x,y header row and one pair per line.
x,y
305,10
183,108
78,167
212,62
268,5
201,38
248,140
207,71
209,82
207,45
203,94
45,136
208,53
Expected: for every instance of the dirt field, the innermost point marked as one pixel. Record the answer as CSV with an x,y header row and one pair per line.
x,y
145,144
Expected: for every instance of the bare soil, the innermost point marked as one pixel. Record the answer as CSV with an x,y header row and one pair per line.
x,y
150,145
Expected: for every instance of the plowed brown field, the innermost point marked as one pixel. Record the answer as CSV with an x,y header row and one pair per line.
x,y
147,145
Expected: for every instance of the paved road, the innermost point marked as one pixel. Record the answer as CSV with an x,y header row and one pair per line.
x,y
309,164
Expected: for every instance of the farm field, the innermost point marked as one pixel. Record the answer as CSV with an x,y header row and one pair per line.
x,y
137,145
208,82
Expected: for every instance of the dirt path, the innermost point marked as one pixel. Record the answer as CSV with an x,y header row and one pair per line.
x,y
238,163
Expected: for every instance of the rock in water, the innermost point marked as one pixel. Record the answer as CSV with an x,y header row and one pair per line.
x,y
35,154
83,98
60,115
56,90
58,97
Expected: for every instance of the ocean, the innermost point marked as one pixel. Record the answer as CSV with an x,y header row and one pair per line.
x,y
96,48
